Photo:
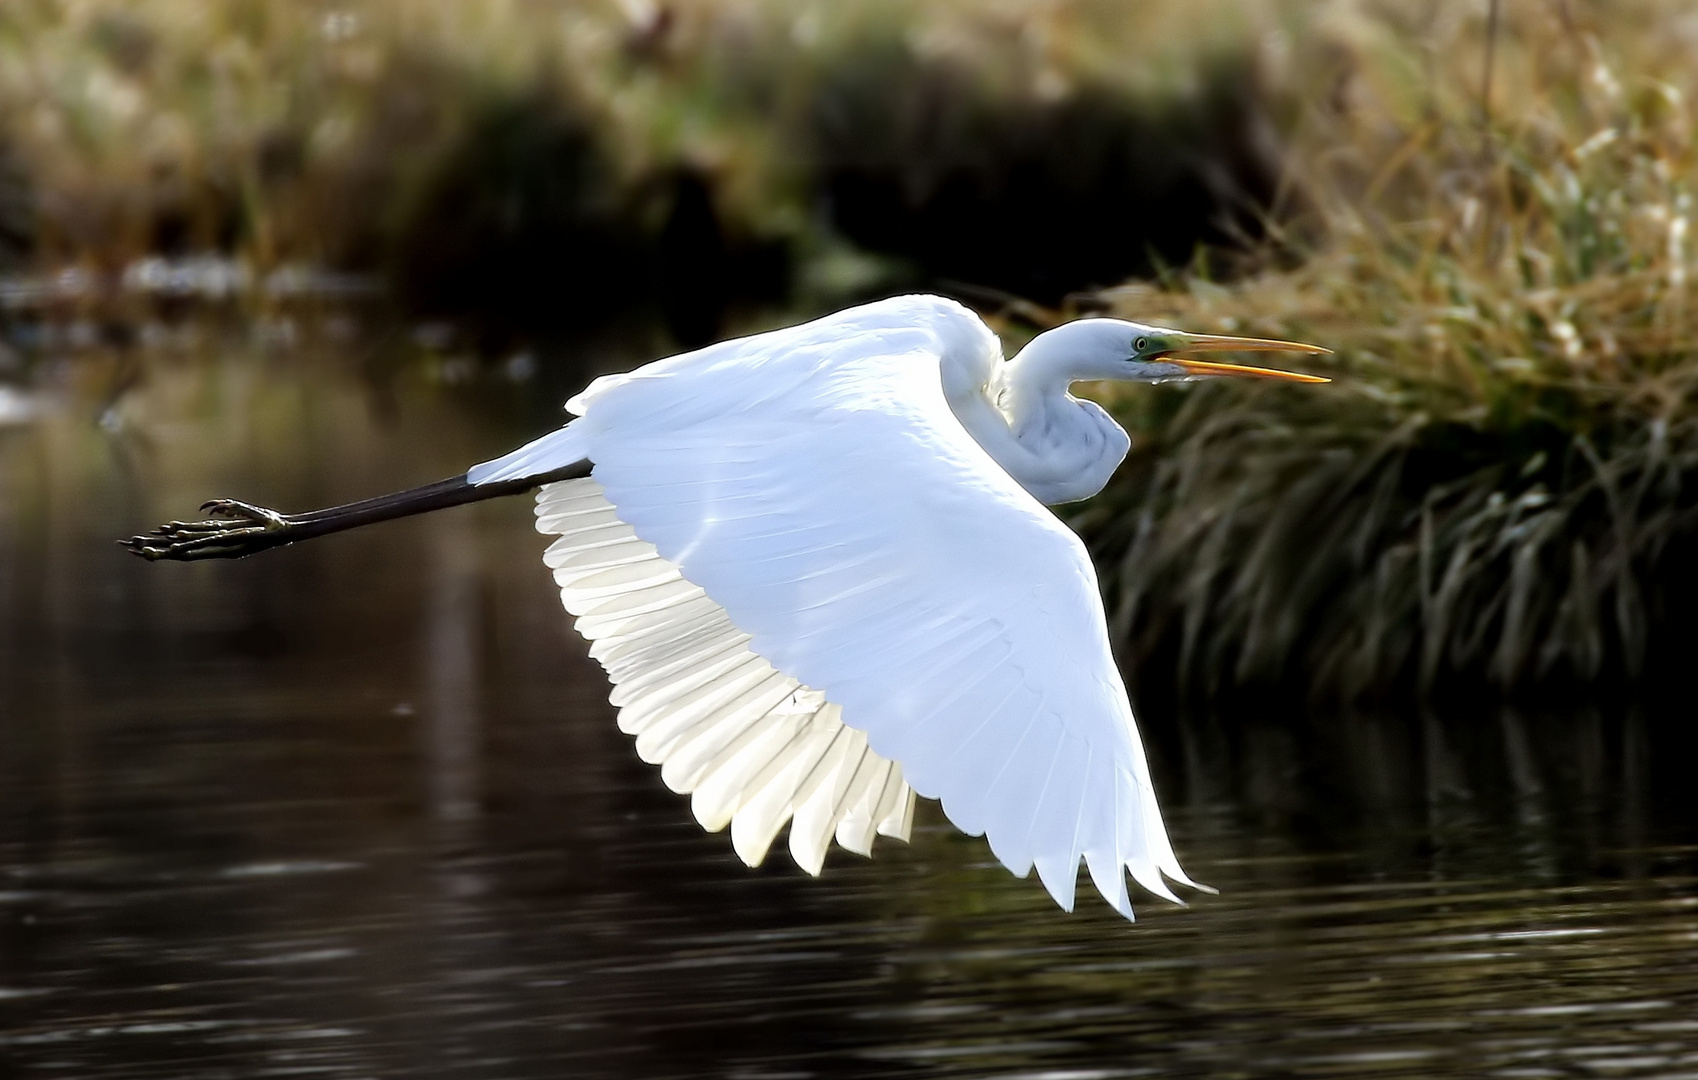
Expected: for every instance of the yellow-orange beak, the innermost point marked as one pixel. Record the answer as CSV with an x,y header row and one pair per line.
x,y
1196,343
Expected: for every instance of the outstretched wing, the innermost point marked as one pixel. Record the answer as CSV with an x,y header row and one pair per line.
x,y
814,484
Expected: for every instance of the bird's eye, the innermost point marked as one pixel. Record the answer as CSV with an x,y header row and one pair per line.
x,y
1140,344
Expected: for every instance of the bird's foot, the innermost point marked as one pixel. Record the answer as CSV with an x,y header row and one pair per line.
x,y
236,529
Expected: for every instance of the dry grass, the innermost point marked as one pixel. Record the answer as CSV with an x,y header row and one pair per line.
x,y
1503,481
307,129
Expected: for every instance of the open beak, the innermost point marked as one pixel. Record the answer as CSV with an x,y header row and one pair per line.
x,y
1184,344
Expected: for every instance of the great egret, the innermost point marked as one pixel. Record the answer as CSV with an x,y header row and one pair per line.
x,y
817,567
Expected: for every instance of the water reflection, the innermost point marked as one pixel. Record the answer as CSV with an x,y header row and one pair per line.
x,y
360,809
453,721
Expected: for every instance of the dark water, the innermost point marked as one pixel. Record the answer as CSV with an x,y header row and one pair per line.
x,y
359,809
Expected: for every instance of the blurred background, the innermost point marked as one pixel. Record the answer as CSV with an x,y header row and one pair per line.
x,y
1410,651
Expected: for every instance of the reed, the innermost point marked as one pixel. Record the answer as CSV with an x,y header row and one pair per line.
x,y
1502,483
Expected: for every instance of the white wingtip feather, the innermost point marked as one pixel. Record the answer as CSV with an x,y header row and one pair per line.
x,y
899,824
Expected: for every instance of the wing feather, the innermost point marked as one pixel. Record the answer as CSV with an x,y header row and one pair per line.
x,y
610,581
659,640
1055,838
1016,792
757,822
900,821
747,742
668,682
669,725
692,655
814,820
728,780
859,822
692,756
619,623
978,758
563,555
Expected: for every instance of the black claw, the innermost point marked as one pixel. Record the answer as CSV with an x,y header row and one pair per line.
x,y
238,529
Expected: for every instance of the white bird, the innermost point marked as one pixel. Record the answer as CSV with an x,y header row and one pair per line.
x,y
818,568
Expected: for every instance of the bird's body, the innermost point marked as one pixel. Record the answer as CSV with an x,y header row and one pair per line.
x,y
861,495
819,570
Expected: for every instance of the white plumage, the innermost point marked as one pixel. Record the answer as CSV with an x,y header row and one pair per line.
x,y
754,748
814,568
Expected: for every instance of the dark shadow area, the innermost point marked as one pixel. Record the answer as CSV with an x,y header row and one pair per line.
x,y
524,225
1039,198
17,210
528,229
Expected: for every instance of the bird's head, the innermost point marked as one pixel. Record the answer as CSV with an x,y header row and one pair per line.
x,y
1090,349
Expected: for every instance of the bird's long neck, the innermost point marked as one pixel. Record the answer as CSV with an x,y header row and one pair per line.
x,y
1031,390
1057,447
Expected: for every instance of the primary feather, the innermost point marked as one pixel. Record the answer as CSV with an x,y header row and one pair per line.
x,y
817,594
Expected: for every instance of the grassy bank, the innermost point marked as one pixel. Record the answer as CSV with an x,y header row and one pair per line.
x,y
1502,484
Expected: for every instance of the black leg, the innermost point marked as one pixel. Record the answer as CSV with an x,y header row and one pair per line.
x,y
237,528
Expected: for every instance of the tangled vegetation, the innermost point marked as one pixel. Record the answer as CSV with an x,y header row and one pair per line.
x,y
558,157
1502,482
